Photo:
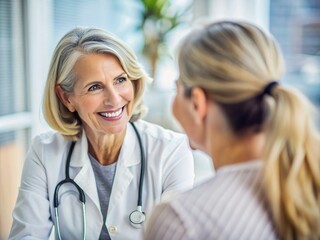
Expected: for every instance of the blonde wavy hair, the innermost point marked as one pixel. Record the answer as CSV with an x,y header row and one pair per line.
x,y
76,43
233,62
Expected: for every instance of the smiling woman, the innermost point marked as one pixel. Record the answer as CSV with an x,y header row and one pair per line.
x,y
102,96
94,88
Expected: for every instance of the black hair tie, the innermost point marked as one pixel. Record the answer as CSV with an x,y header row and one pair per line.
x,y
268,88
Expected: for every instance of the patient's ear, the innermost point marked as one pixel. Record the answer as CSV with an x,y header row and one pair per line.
x,y
200,103
64,98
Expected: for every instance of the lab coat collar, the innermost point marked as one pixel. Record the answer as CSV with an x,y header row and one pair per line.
x,y
130,150
80,157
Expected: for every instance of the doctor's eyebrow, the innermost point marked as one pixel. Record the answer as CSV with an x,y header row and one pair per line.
x,y
124,74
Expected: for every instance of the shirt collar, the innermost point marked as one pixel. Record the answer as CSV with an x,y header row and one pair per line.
x,y
249,165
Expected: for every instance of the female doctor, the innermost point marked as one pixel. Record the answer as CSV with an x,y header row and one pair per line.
x,y
100,173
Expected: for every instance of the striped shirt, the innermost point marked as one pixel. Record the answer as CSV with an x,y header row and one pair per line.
x,y
228,206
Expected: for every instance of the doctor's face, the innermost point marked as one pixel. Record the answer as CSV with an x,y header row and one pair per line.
x,y
103,95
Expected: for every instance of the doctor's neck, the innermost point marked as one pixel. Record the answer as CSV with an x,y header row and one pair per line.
x,y
105,148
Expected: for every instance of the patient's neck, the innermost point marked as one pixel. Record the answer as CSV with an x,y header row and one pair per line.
x,y
240,150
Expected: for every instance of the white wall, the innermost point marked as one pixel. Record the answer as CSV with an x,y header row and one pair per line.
x,y
255,11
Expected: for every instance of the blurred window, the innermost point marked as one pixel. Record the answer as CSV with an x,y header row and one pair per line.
x,y
14,117
296,26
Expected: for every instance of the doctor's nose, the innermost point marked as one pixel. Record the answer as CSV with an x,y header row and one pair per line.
x,y
111,97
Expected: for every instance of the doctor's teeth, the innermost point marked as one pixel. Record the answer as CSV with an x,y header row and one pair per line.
x,y
114,114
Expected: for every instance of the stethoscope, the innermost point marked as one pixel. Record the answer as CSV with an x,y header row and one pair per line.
x,y
136,217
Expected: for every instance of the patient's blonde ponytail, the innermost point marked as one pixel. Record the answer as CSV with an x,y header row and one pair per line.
x,y
292,166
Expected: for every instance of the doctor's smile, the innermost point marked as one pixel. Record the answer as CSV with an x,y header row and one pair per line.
x,y
115,115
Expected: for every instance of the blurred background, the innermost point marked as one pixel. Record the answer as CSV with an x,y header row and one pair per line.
x,y
30,29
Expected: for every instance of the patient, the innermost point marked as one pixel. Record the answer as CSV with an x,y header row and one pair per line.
x,y
259,133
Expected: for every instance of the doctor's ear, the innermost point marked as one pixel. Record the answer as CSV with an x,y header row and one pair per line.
x,y
199,102
64,98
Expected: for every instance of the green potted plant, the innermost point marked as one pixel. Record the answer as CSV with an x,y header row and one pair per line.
x,y
158,18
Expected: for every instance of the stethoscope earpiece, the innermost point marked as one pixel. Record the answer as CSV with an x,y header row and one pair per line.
x,y
137,217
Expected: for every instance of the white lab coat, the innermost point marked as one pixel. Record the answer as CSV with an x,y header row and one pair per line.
x,y
168,170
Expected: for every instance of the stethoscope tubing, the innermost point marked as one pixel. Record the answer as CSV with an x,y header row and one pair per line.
x,y
82,198
142,166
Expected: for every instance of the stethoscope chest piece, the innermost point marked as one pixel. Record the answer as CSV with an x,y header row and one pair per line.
x,y
137,217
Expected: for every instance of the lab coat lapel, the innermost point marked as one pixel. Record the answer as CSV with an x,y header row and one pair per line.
x,y
85,177
128,157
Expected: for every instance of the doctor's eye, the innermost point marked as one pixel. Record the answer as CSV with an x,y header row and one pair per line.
x,y
94,87
120,80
